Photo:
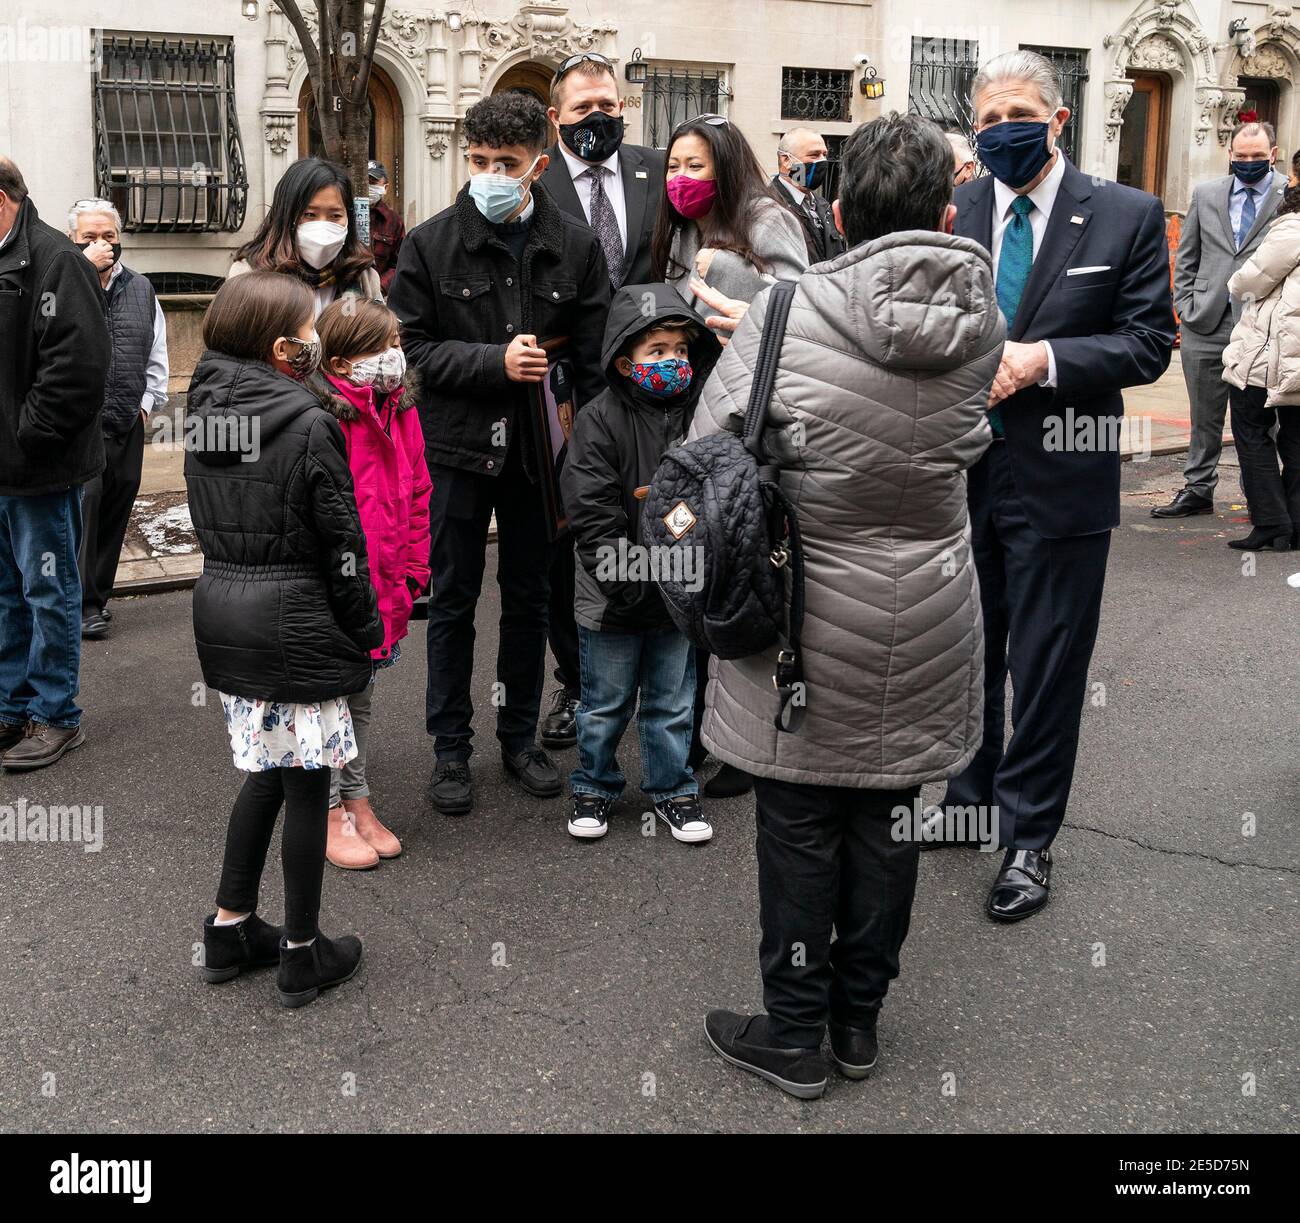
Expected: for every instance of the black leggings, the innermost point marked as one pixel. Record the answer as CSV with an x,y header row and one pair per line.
x,y
305,794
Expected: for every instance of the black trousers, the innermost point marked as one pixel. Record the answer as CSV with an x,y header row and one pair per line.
x,y
106,512
460,512
1041,600
827,859
305,794
1272,497
563,628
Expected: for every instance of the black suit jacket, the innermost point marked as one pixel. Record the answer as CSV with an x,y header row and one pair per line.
x,y
642,171
1110,325
824,243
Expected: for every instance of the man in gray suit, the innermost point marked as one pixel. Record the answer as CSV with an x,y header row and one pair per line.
x,y
1226,220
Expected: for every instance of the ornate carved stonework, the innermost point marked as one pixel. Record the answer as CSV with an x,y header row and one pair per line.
x,y
1279,17
1118,93
437,137
1157,52
408,34
1166,36
279,131
1268,60
545,30
1234,98
1209,105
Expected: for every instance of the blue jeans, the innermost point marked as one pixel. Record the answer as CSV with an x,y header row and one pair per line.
x,y
40,609
614,667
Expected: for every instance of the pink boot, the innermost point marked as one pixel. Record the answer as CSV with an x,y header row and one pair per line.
x,y
345,847
370,829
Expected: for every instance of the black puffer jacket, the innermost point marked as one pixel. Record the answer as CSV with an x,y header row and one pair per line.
x,y
285,610
617,443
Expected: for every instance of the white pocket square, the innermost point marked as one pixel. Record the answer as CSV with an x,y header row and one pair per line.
x,y
1101,267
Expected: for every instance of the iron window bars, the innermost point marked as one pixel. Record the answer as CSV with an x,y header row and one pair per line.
x,y
942,70
817,95
168,153
673,95
1072,67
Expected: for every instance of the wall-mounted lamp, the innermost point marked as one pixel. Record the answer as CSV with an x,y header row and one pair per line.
x,y
453,21
1242,38
250,9
635,70
873,84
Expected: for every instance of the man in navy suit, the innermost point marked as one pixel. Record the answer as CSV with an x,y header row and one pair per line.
x,y
1081,268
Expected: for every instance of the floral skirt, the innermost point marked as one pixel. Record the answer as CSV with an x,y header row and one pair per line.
x,y
279,735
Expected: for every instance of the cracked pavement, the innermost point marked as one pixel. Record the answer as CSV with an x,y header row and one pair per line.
x,y
518,980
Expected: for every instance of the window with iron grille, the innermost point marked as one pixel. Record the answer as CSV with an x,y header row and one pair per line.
x,y
672,95
938,87
168,154
1072,67
816,95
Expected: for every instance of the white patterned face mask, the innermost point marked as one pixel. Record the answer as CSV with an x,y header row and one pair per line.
x,y
384,371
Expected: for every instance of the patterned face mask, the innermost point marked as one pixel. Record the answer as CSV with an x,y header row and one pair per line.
x,y
306,360
384,372
663,378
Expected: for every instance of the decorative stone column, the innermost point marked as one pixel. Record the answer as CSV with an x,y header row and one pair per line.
x,y
279,113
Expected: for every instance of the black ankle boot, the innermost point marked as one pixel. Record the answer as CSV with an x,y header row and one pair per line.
x,y
230,950
305,971
1263,539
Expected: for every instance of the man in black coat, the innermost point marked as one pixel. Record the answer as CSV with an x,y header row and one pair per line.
x,y
802,166
54,338
1081,269
479,287
615,188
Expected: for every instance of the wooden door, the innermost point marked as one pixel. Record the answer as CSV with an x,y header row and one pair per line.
x,y
1144,136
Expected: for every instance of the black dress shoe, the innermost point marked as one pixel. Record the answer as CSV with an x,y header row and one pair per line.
x,y
1264,539
1021,888
728,782
854,1049
449,789
93,625
743,1041
560,730
534,770
1184,505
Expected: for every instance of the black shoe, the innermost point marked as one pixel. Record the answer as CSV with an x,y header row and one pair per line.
x,y
560,730
940,828
685,819
305,971
230,950
589,819
107,613
449,790
11,736
743,1041
728,782
1021,888
93,625
534,770
1184,505
1264,539
854,1049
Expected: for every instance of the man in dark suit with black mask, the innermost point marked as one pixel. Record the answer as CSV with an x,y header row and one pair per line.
x,y
614,188
1081,268
802,168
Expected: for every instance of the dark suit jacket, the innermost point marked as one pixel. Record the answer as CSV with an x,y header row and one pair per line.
x,y
1109,328
823,244
642,171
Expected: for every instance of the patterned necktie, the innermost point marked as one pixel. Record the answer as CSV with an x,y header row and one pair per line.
x,y
1015,260
1247,217
605,224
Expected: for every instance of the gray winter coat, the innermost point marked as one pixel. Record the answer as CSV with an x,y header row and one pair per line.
x,y
878,410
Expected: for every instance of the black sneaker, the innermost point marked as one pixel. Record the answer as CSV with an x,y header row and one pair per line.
x,y
560,730
743,1041
230,950
534,770
93,626
854,1049
685,819
590,817
449,790
305,971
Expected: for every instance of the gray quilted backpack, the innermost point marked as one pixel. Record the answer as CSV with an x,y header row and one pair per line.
x,y
720,496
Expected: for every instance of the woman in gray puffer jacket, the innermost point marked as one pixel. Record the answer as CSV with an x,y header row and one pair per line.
x,y
879,408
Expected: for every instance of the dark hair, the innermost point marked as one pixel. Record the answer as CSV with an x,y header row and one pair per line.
x,y
895,174
589,68
690,330
250,312
11,181
275,245
508,118
350,326
740,180
1291,195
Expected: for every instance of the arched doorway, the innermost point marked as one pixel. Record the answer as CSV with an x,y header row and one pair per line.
x,y
530,76
385,130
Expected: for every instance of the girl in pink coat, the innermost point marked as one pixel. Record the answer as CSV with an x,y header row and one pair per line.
x,y
370,391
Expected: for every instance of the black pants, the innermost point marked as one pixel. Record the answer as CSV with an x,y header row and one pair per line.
x,y
106,512
460,513
563,628
305,794
1041,600
827,858
1273,498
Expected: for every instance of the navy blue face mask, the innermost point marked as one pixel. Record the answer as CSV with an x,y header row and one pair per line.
x,y
1014,152
1251,172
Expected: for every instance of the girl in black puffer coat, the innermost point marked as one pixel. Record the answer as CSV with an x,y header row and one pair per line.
x,y
285,616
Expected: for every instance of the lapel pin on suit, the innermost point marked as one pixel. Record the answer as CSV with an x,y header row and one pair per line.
x,y
1076,220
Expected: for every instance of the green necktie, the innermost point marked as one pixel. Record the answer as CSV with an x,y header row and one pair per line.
x,y
1014,263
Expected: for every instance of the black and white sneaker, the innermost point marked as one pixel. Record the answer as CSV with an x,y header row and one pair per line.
x,y
590,817
685,818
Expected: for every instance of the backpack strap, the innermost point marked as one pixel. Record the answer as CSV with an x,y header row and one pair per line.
x,y
791,691
769,352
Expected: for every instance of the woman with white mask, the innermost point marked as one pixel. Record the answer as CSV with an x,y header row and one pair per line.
x,y
310,233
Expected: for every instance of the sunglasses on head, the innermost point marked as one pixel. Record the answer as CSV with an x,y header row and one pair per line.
x,y
584,57
707,120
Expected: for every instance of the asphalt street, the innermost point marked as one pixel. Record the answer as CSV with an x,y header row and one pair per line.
x,y
515,979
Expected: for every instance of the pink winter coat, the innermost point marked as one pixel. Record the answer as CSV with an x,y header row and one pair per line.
x,y
386,455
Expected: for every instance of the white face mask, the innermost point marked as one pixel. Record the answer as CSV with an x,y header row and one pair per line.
x,y
376,194
319,242
384,371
